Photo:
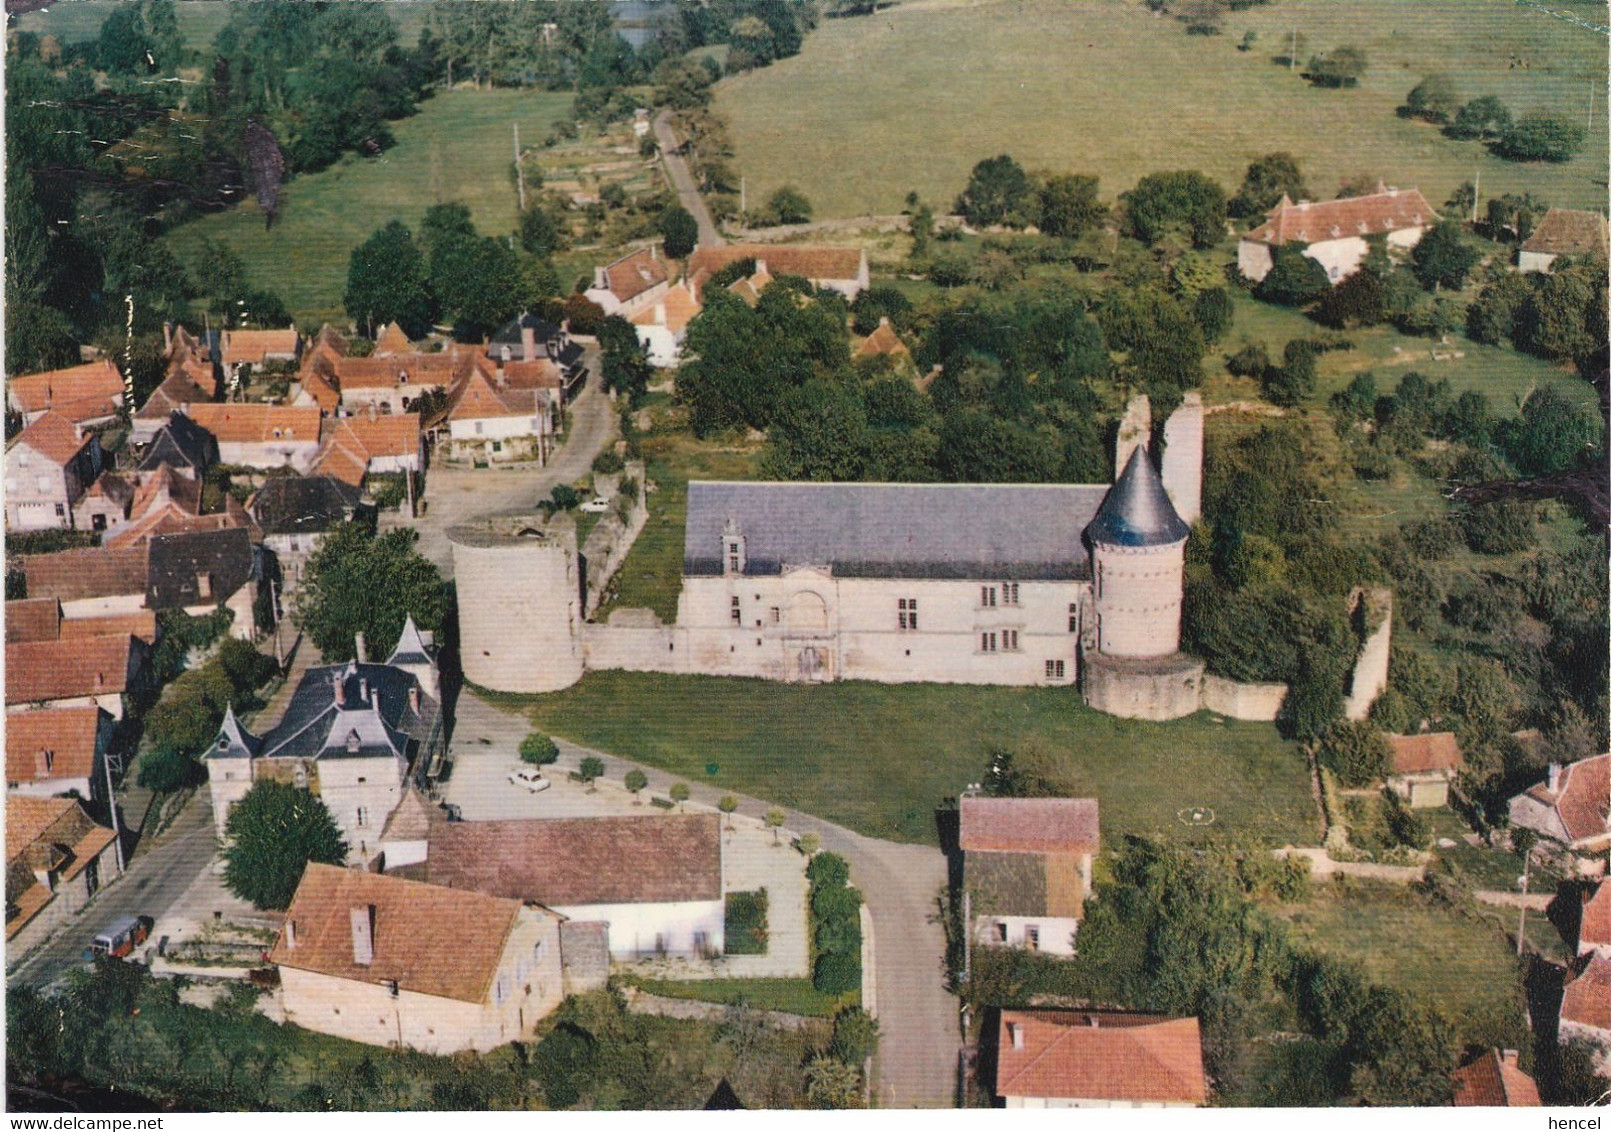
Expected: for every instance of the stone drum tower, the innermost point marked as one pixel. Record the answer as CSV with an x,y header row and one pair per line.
x,y
1138,552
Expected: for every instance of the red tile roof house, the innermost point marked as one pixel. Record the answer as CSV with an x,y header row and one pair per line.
x,y
262,436
76,672
633,283
837,269
1333,232
1027,869
1594,924
662,326
56,859
61,751
1423,767
393,962
1098,1059
1494,1080
49,466
89,583
1563,231
86,395
657,881
259,347
1586,1008
1571,811
499,416
393,384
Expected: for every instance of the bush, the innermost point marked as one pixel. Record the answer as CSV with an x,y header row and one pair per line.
x,y
828,870
538,750
746,929
1540,137
1502,527
609,463
1356,753
855,1035
837,972
1294,380
1250,361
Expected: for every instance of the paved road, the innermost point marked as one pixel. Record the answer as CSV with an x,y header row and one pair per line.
x,y
921,1035
683,181
460,495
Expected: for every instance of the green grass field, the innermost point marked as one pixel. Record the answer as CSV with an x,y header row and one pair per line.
x,y
457,148
912,97
880,758
791,996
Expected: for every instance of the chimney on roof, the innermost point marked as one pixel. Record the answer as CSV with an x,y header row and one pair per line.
x,y
44,759
1554,778
358,648
528,343
760,267
1092,1021
290,935
363,689
1015,1031
1509,1056
339,689
414,698
363,934
204,585
601,281
660,314
100,681
167,337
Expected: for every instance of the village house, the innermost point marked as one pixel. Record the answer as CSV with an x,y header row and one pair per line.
x,y
1563,232
393,962
631,284
1494,1080
883,342
836,269
259,347
57,858
165,503
261,436
105,504
40,619
1027,869
61,751
1570,811
201,571
93,582
662,326
1098,1059
500,416
532,339
295,513
49,466
190,380
182,445
750,287
355,734
1594,922
395,383
1334,233
1423,767
1586,1007
389,342
89,394
656,881
355,446
77,672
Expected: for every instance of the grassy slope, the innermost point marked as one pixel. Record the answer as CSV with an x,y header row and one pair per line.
x,y
911,98
458,147
880,758
792,996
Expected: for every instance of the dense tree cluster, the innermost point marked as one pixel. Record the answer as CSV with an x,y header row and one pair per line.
x,y
360,582
179,726
1560,315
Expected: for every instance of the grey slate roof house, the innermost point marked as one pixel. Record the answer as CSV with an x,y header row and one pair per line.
x,y
182,445
296,512
199,571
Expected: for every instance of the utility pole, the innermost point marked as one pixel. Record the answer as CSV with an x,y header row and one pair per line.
x,y
1292,56
1476,194
1521,926
520,169
1591,107
111,805
742,197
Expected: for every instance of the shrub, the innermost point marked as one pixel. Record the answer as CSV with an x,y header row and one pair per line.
x,y
828,870
1250,361
837,972
855,1035
1356,753
1540,136
1502,527
746,925
609,462
539,750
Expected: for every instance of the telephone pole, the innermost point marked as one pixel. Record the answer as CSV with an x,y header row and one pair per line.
x,y
1476,194
1292,56
520,169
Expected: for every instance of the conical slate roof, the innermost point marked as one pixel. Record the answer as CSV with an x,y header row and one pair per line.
x,y
410,646
234,741
1137,512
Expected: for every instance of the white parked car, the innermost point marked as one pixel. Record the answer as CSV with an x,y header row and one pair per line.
x,y
595,506
529,777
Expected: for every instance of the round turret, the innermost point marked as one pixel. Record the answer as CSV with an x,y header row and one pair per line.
x,y
1138,553
519,604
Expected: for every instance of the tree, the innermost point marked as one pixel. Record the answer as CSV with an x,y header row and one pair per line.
x,y
1433,99
636,780
477,281
1564,318
1492,315
1359,300
1481,118
1184,202
832,1084
1442,258
1540,136
727,804
773,819
590,769
1266,181
808,844
788,205
1341,67
539,235
272,834
165,770
539,750
357,582
1214,312
1356,753
679,793
855,1035
1293,381
583,315
624,361
679,230
998,192
1294,279
1069,205
387,282
1551,434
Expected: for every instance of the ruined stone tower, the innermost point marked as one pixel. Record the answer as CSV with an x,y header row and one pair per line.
x,y
519,604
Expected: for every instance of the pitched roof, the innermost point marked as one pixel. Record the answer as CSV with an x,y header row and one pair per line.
x,y
170,519
164,488
428,939
33,619
182,387
1568,231
392,340
55,438
75,575
234,741
812,262
884,340
254,345
1101,1056
1494,1080
1587,997
510,333
411,647
1388,210
80,392
1137,512
478,398
674,311
178,562
1030,825
412,820
250,422
576,861
69,735
399,371
634,273
63,821
330,339
303,504
382,724
1425,753
318,378
181,443
895,530
117,488
396,434
1594,927
1582,798
141,623
41,671
539,373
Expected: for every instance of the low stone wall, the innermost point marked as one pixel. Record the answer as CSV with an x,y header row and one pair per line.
x,y
1259,702
609,542
637,642
1165,688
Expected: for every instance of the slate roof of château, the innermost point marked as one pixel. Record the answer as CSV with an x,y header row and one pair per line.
x,y
1137,512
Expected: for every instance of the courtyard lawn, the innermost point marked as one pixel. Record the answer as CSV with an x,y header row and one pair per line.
x,y
791,996
457,148
911,97
882,758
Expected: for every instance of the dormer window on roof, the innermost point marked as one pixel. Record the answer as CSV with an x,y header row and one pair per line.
x,y
352,742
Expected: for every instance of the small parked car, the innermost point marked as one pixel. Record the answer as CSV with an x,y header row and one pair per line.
x,y
529,777
120,940
595,506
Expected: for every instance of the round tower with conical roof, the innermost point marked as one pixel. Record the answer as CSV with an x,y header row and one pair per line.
x,y
1138,554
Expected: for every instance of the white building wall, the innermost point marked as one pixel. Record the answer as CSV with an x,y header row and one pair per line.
x,y
299,454
495,428
1534,261
1138,598
1056,933
361,794
1254,260
638,930
664,347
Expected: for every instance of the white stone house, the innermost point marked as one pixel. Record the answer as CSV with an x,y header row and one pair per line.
x,y
87,672
261,436
1098,1059
841,269
57,858
662,327
1334,233
1586,1007
49,466
1026,869
1423,767
1563,231
60,751
494,419
631,284
396,963
1571,812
